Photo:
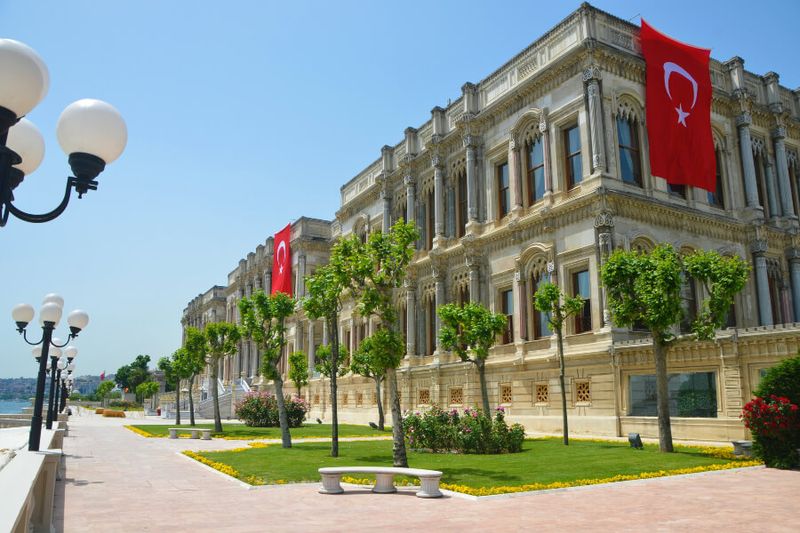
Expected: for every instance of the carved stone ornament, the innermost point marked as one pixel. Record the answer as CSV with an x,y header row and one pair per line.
x,y
793,254
779,133
592,72
776,108
604,219
551,266
745,119
542,127
512,141
759,246
470,140
409,180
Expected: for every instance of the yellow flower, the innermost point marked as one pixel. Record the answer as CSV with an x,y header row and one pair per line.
x,y
140,432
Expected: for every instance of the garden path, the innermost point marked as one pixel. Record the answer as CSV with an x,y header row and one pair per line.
x,y
117,480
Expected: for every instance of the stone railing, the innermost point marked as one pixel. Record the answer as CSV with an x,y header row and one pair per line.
x,y
28,480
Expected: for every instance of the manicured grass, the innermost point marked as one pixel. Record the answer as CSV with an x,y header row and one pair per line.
x,y
541,461
240,431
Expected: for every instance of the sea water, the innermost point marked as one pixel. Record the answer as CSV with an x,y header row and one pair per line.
x,y
10,407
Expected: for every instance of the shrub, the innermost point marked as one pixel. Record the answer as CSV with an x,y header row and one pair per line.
x,y
773,417
98,411
113,414
467,432
260,409
124,405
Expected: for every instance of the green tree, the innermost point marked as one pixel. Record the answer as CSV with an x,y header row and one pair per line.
x,y
646,289
146,389
220,340
470,331
324,297
172,377
559,308
263,321
367,362
375,269
298,370
192,360
103,389
129,377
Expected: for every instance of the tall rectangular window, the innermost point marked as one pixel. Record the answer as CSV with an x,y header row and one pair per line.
x,y
581,287
507,304
717,198
572,151
430,341
461,208
630,166
503,191
540,318
535,171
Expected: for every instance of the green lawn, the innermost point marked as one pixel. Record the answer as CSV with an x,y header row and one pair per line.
x,y
240,431
541,461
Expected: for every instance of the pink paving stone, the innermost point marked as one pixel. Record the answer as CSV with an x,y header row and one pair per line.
x,y
118,481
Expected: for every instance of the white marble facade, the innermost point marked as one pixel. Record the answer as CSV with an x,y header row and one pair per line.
x,y
537,172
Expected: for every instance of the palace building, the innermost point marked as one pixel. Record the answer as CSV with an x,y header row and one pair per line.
x,y
536,173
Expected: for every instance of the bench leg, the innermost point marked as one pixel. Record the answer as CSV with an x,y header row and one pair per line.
x,y
173,434
384,484
206,435
429,488
330,484
195,434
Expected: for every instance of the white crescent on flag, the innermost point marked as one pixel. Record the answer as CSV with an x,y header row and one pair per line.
x,y
669,68
281,256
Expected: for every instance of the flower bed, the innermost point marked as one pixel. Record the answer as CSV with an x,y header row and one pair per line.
x,y
468,432
260,409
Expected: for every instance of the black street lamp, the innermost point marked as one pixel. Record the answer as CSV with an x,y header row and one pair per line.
x,y
91,132
52,414
49,316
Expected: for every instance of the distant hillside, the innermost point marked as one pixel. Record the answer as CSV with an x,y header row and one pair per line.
x,y
24,388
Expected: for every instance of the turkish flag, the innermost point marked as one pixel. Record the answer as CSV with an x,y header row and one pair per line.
x,y
678,91
282,262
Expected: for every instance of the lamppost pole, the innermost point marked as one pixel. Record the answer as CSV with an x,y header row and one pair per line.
x,y
36,419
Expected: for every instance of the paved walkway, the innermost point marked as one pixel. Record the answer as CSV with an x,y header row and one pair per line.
x,y
117,480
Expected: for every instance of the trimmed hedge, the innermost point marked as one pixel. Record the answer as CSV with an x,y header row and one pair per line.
x,y
113,414
99,411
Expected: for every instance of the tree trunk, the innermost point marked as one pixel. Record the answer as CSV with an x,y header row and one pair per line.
x,y
561,379
215,395
178,404
286,437
662,396
191,400
381,419
398,439
481,364
334,333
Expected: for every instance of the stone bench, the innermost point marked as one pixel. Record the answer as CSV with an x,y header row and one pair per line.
x,y
194,432
384,479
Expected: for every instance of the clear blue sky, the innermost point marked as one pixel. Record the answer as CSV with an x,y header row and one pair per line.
x,y
243,116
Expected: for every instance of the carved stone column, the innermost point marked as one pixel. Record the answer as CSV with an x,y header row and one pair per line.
x,y
772,192
439,276
268,281
411,317
325,338
748,164
471,144
301,276
548,170
474,279
594,103
438,197
311,348
515,174
782,165
411,195
520,306
387,209
604,224
759,248
353,333
793,254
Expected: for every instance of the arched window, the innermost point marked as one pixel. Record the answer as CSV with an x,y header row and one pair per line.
x,y
717,199
535,169
630,162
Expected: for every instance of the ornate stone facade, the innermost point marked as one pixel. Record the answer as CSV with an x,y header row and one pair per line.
x,y
538,172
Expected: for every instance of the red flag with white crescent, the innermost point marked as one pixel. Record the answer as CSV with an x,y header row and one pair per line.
x,y
282,262
678,92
